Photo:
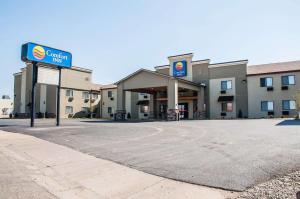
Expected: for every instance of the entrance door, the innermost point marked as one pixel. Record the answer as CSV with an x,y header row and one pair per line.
x,y
183,110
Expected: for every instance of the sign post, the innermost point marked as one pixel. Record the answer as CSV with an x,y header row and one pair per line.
x,y
58,100
33,88
52,58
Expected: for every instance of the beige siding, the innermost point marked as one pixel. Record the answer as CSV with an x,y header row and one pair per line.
x,y
214,93
257,94
109,102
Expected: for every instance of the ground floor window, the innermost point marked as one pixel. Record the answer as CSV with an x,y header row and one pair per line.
x,y
227,106
288,104
69,109
85,109
109,110
144,109
267,106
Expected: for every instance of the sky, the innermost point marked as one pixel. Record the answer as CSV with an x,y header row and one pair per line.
x,y
116,38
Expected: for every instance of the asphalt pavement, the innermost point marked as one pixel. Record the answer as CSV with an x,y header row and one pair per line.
x,y
227,154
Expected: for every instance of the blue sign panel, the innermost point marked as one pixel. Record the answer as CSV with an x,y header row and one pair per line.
x,y
44,54
180,68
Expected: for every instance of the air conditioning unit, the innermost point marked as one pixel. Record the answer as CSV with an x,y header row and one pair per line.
x,y
271,113
70,98
285,113
284,88
270,88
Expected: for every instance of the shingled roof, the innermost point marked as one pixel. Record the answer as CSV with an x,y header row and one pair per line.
x,y
279,67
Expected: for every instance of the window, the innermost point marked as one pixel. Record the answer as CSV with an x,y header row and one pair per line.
x,y
288,104
266,82
267,106
95,95
85,95
69,93
109,94
69,109
288,80
85,109
144,109
226,85
109,110
227,106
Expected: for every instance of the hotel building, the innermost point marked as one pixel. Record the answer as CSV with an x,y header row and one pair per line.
x,y
195,89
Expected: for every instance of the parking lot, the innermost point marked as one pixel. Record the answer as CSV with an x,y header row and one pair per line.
x,y
228,154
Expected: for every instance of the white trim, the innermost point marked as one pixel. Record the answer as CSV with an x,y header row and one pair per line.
x,y
228,64
178,57
201,61
162,67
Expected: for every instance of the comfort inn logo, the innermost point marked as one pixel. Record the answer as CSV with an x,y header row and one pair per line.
x,y
179,66
38,52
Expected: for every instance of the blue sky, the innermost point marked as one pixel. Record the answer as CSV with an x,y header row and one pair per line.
x,y
115,38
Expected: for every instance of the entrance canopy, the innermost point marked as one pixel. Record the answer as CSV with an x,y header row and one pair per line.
x,y
162,87
149,81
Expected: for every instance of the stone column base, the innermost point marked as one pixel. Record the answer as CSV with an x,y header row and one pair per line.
x,y
120,115
199,115
173,115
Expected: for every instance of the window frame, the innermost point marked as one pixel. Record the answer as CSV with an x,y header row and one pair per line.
x,y
110,94
87,109
289,105
88,95
222,81
71,108
287,76
71,91
95,94
143,109
226,107
267,110
265,82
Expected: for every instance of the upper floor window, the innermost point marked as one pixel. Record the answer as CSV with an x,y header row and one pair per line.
x,y
288,104
266,82
85,95
226,85
69,93
95,95
109,94
288,80
267,105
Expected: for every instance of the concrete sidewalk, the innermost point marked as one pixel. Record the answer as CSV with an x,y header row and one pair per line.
x,y
34,168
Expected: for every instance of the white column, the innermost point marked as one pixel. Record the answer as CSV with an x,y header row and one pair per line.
x,y
43,98
173,94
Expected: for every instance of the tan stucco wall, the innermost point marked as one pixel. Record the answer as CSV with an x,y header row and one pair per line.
x,y
257,94
144,80
239,73
17,92
76,79
214,93
107,102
